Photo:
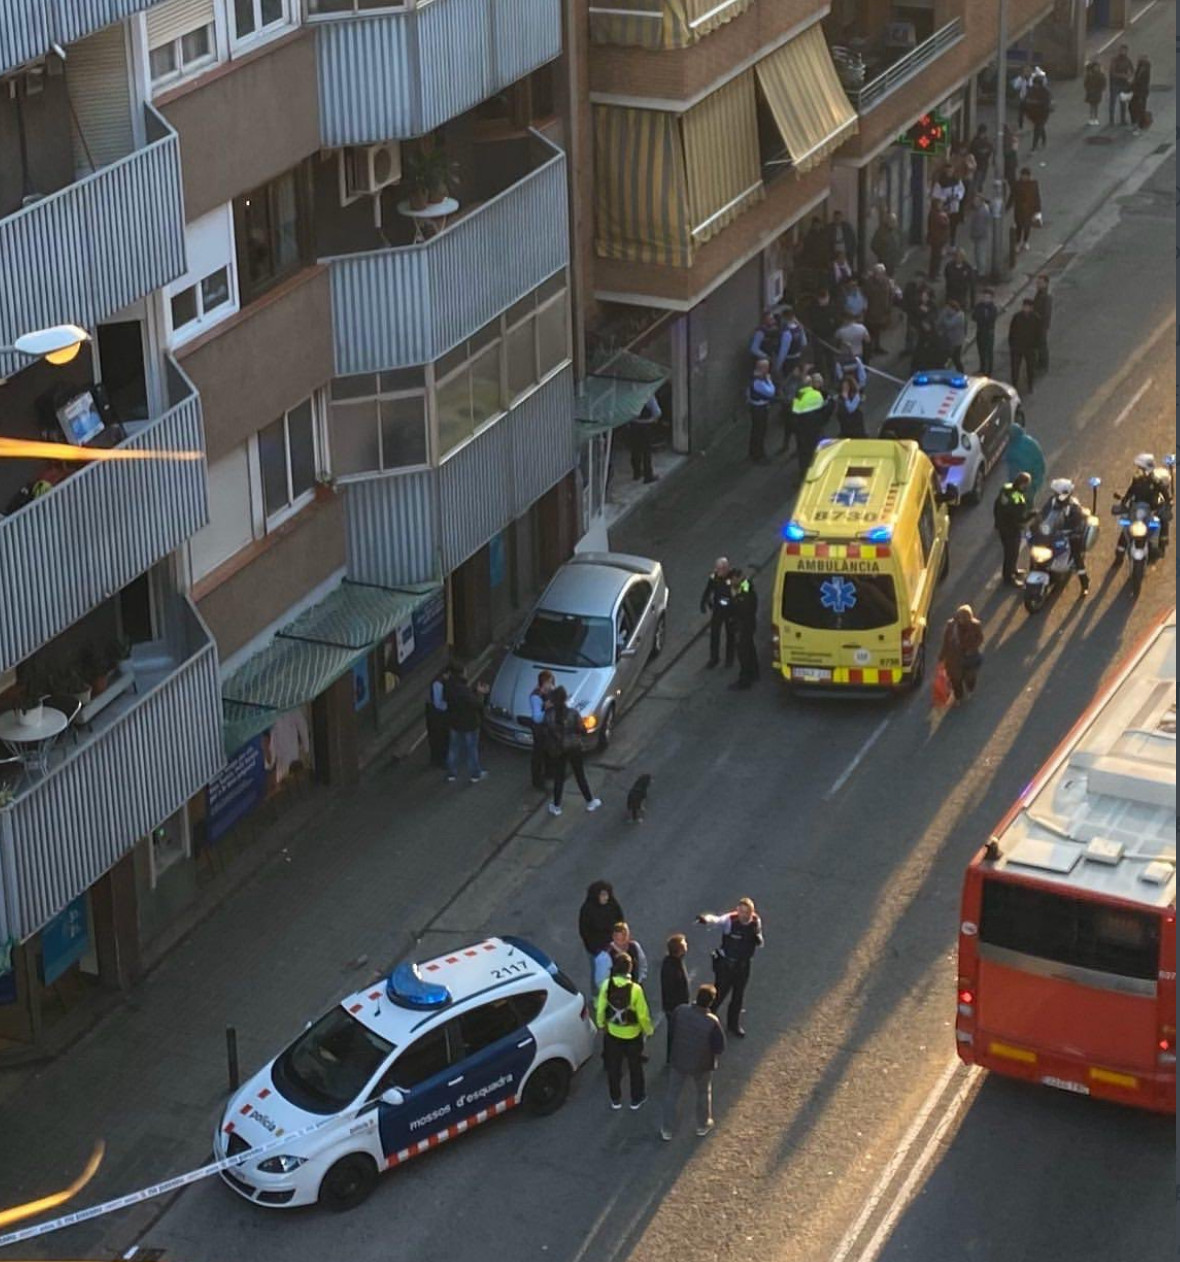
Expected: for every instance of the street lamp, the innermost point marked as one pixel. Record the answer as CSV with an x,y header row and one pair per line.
x,y
58,344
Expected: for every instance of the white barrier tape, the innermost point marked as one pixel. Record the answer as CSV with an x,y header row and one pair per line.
x,y
158,1189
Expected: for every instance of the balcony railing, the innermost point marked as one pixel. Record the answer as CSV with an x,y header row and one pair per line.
x,y
67,551
906,68
389,76
28,26
95,246
409,305
149,753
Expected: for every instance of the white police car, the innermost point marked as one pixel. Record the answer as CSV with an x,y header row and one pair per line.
x,y
962,423
402,1067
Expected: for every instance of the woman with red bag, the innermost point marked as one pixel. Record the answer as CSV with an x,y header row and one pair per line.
x,y
962,651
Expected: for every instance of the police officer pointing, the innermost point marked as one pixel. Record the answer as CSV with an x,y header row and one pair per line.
x,y
717,599
741,936
1010,512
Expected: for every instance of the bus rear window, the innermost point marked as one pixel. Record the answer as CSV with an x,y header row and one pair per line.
x,y
1070,931
839,602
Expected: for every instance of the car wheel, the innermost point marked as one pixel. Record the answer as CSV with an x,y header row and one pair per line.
x,y
607,730
547,1088
348,1183
945,568
976,493
657,643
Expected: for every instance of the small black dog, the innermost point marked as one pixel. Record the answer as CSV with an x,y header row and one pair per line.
x,y
637,798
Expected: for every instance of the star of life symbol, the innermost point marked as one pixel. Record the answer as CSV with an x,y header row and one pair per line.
x,y
837,594
849,496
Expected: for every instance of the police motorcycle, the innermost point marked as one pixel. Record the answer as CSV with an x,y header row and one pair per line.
x,y
1142,533
1051,559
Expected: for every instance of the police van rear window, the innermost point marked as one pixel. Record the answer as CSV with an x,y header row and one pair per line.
x,y
839,602
934,440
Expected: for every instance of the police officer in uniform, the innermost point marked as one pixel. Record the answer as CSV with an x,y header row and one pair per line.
x,y
1010,513
1064,512
745,620
717,600
741,936
1146,488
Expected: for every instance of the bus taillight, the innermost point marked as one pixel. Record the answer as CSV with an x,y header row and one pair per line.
x,y
966,999
1166,1054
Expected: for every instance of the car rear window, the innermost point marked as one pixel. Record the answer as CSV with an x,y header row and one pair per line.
x,y
934,440
839,602
1072,931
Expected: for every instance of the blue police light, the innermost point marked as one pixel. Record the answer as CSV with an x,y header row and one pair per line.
x,y
958,381
793,532
1153,524
921,379
407,989
1169,461
880,534
1094,482
1124,522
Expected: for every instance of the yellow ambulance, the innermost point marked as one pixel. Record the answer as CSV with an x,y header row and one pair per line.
x,y
860,558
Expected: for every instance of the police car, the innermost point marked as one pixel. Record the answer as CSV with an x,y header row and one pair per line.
x,y
962,423
403,1066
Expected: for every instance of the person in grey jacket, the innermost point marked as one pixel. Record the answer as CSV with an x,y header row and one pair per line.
x,y
952,328
697,1041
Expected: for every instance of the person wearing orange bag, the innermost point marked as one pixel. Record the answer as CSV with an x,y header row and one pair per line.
x,y
962,651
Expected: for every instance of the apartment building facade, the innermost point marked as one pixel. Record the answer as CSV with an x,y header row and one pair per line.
x,y
324,247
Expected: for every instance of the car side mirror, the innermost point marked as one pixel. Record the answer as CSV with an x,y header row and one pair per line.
x,y
968,442
628,652
393,1096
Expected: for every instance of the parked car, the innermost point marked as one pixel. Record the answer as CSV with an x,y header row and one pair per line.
x,y
596,625
962,423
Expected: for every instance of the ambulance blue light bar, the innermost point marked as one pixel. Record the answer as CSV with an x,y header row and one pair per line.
x,y
407,989
793,532
880,534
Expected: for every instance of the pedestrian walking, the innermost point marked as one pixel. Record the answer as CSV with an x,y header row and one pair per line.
x,y
642,433
887,244
598,915
1043,310
1122,71
565,731
962,651
879,293
1011,513
1021,83
741,936
760,396
1026,206
673,982
952,332
745,620
1140,87
1024,342
438,727
1094,89
938,233
621,1013
841,236
979,232
717,602
984,314
464,714
1024,455
538,705
1038,105
949,191
824,320
697,1040
982,150
812,409
960,280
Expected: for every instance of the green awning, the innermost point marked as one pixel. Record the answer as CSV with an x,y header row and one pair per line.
x,y
310,653
615,393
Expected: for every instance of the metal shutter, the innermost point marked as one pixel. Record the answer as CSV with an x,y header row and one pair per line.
x,y
99,87
167,22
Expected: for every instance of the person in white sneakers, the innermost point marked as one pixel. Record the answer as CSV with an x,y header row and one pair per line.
x,y
564,732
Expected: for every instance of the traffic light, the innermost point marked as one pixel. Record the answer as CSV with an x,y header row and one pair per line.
x,y
930,134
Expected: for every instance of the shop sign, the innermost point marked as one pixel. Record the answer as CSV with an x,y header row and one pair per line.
x,y
930,134
236,791
64,940
414,640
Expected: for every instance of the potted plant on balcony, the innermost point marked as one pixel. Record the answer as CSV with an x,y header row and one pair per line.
x,y
71,681
94,670
117,652
34,689
416,173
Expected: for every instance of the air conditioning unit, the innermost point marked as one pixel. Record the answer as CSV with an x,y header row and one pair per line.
x,y
366,169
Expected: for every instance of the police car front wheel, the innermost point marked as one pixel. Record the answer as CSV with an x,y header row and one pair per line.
x,y
547,1088
348,1183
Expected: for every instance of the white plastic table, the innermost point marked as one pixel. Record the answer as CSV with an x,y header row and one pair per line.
x,y
39,735
436,215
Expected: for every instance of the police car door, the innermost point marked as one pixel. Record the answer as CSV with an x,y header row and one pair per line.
x,y
493,1051
421,1073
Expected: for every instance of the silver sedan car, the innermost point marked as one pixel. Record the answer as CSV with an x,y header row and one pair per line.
x,y
598,622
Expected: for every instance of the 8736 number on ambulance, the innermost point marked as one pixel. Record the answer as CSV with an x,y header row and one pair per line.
x,y
401,1067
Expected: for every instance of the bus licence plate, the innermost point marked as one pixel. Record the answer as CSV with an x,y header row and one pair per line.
x,y
810,674
1063,1084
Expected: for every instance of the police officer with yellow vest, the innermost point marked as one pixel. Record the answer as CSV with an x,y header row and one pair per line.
x,y
1011,513
622,1013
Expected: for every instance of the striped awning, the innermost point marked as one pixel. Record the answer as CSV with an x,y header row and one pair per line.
x,y
810,108
659,24
310,653
615,393
721,156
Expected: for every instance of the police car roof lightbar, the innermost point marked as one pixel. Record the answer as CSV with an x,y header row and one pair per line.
x,y
958,380
407,989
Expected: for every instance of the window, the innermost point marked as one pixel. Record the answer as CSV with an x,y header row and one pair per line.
x,y
206,293
420,1061
378,422
328,1065
839,602
485,1025
636,601
926,528
181,39
230,526
317,8
253,17
978,411
528,1007
271,231
468,391
287,460
934,440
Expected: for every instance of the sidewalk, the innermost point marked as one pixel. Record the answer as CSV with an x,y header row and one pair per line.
x,y
357,876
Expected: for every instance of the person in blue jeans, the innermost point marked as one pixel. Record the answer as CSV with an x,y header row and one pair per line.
x,y
464,712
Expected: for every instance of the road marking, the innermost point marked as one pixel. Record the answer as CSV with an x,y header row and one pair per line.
x,y
1118,35
842,778
1143,389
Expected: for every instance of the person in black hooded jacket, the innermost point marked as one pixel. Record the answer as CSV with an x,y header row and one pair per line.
x,y
599,914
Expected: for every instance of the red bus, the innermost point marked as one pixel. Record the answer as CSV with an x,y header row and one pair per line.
x,y
1067,933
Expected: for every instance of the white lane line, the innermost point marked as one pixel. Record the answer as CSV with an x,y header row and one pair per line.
x,y
906,1191
842,778
1143,389
852,1235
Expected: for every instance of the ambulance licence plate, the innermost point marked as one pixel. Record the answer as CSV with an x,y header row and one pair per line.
x,y
810,674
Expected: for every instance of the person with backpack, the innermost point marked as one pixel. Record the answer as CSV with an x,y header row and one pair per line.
x,y
741,936
697,1040
564,732
621,1013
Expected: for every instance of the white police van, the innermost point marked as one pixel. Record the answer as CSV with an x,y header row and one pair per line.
x,y
402,1067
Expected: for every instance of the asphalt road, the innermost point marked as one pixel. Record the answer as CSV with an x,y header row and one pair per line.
x,y
857,873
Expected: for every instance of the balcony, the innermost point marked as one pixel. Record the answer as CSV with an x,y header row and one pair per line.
x,y
93,247
394,75
140,760
409,304
68,550
895,68
27,27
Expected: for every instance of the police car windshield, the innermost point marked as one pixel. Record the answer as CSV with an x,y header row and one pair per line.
x,y
330,1063
933,439
567,639
839,602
